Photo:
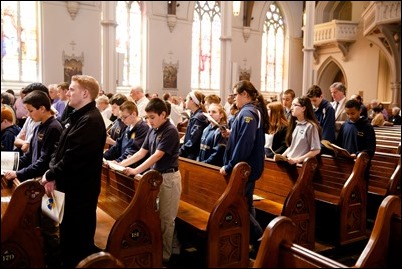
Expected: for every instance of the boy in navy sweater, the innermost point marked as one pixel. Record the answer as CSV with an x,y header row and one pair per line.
x,y
356,133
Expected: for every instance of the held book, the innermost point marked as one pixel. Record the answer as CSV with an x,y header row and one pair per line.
x,y
339,152
214,122
53,206
280,158
9,161
115,166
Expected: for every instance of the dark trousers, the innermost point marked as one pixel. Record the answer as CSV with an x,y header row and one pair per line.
x,y
255,228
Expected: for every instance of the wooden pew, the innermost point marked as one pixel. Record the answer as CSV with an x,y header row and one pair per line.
x,y
384,180
340,190
135,238
214,212
287,191
117,189
384,246
100,260
388,148
279,250
21,238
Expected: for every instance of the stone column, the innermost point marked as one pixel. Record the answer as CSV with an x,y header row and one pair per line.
x,y
109,55
308,46
226,54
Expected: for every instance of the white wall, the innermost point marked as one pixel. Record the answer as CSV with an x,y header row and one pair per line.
x,y
59,30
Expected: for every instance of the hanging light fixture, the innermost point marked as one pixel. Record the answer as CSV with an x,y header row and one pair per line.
x,y
236,8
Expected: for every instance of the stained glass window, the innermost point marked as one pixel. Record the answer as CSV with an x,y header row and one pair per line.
x,y
128,41
273,44
206,46
19,41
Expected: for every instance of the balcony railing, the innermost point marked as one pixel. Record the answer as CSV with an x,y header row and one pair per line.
x,y
380,13
335,31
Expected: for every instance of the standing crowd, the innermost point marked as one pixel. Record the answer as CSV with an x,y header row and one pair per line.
x,y
65,132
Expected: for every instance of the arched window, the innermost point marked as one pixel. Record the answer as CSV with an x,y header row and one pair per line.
x,y
128,42
273,44
206,46
19,41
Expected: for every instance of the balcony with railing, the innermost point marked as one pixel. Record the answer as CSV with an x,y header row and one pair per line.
x,y
335,33
380,13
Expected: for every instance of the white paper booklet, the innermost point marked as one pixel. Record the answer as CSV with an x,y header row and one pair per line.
x,y
53,206
115,166
9,161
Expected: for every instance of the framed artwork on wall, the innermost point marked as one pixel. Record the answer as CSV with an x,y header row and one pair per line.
x,y
169,76
72,66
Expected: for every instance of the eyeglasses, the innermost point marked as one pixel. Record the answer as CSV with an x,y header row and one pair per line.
x,y
125,117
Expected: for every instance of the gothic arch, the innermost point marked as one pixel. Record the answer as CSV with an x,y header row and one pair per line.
x,y
291,26
329,72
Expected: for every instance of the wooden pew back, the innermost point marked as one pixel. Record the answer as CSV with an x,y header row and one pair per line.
x,y
136,238
21,239
117,189
215,209
384,180
100,260
385,174
287,191
341,198
278,250
384,246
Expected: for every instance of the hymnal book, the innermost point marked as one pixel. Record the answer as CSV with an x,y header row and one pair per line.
x,y
257,198
214,122
9,161
53,206
280,158
115,166
339,152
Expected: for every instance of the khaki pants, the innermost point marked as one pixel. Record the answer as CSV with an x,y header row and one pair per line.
x,y
169,198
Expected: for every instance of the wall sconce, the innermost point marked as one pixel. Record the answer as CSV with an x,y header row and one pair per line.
x,y
236,8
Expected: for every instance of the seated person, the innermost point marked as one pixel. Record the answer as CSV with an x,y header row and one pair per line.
x,y
275,139
9,129
356,133
304,132
213,144
378,117
133,136
395,118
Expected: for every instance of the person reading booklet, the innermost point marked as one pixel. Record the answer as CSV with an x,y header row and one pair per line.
x,y
338,151
214,122
356,133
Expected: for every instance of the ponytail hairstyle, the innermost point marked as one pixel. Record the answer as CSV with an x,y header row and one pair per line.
x,y
199,99
256,98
